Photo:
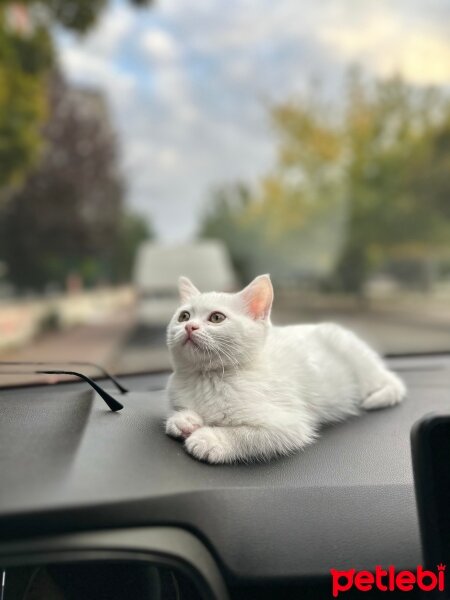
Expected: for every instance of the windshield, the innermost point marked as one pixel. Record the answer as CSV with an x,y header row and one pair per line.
x,y
140,141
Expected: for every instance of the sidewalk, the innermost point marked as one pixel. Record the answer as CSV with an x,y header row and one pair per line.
x,y
97,343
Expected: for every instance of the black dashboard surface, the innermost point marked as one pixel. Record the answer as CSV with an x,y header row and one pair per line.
x,y
69,464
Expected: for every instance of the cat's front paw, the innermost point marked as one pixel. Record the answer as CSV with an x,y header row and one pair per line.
x,y
210,444
183,423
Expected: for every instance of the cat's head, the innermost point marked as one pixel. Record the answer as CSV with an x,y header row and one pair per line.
x,y
218,330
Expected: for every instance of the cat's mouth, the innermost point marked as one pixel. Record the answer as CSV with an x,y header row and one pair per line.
x,y
188,340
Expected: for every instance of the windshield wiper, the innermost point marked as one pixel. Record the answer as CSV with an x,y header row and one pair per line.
x,y
112,403
39,363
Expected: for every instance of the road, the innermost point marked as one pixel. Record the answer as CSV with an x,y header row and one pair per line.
x,y
99,343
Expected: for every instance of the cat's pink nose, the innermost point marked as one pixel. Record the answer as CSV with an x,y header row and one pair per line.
x,y
190,327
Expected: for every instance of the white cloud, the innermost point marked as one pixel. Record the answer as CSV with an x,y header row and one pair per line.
x,y
387,45
91,60
96,71
159,45
189,82
114,26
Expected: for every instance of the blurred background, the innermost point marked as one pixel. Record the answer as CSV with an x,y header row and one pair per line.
x,y
143,140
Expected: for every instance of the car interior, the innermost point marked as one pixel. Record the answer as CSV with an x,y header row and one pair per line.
x,y
101,504
300,148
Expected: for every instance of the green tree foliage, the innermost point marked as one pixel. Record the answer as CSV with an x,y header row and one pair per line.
x,y
225,220
352,190
24,64
61,208
26,58
391,137
133,230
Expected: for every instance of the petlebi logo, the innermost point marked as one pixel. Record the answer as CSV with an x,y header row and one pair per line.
x,y
388,580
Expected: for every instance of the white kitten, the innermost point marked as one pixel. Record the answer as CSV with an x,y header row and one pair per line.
x,y
244,390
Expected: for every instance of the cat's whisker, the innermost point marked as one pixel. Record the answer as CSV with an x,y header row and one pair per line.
x,y
215,352
210,357
221,361
228,348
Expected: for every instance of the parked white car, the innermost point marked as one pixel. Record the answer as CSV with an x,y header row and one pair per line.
x,y
157,270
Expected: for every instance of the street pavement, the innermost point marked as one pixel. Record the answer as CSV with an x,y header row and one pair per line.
x,y
96,342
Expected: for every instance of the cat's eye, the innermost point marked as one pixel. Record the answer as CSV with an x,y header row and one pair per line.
x,y
217,317
184,316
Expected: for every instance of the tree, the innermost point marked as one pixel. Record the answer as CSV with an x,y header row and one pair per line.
x,y
24,64
391,132
133,231
351,188
224,220
70,208
26,60
77,15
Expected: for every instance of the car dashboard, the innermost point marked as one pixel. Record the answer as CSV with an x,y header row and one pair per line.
x,y
81,485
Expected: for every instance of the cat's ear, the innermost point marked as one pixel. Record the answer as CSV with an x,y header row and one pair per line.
x,y
258,297
186,289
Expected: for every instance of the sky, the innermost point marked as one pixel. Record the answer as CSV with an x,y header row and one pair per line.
x,y
190,84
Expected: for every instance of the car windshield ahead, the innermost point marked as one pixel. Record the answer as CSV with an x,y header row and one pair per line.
x,y
144,140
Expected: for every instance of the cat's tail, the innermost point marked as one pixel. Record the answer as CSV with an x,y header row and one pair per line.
x,y
391,392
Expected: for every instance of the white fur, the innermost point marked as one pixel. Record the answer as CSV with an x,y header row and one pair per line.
x,y
245,390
